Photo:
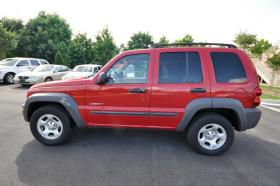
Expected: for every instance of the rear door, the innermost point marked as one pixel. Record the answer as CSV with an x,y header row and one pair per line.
x,y
180,76
34,63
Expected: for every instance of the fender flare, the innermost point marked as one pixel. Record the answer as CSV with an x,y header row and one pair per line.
x,y
63,99
213,103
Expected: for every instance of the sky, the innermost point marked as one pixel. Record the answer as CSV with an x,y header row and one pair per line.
x,y
205,20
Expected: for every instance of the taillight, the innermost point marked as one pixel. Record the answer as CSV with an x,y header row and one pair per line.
x,y
257,94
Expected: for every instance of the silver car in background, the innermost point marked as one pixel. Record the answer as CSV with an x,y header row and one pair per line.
x,y
82,71
41,74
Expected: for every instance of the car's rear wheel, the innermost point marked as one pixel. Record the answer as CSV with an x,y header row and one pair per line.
x,y
210,134
48,79
50,125
9,78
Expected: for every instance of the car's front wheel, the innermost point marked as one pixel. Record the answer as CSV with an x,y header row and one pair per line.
x,y
210,134
9,78
50,125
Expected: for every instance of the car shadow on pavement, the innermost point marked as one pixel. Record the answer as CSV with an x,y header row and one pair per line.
x,y
24,87
103,156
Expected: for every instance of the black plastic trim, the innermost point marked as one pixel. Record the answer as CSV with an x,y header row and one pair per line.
x,y
63,99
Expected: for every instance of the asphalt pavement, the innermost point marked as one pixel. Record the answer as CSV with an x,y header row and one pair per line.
x,y
133,156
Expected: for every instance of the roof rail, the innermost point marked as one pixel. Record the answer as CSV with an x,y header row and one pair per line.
x,y
158,45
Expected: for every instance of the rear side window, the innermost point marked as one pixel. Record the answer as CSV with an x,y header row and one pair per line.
x,y
180,67
228,68
43,62
34,62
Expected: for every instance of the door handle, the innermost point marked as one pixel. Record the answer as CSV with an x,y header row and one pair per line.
x,y
198,90
137,90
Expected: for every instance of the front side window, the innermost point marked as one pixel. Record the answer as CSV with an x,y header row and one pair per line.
x,y
228,68
130,69
23,63
180,67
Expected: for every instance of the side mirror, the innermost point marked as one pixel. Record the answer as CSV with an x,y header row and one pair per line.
x,y
101,79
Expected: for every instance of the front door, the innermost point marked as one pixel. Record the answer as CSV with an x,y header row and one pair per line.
x,y
124,100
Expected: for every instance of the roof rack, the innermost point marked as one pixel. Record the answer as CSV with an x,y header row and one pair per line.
x,y
158,45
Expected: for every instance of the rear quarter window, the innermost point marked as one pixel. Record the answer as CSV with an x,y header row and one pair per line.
x,y
228,68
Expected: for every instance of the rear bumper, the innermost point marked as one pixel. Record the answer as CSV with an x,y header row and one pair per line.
x,y
253,116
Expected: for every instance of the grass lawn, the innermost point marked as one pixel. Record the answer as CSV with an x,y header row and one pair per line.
x,y
270,92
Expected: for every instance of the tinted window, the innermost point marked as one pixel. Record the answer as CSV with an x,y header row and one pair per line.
x,y
62,69
130,69
34,62
180,67
228,68
23,63
96,69
43,62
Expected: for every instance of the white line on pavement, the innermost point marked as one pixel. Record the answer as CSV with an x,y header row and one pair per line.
x,y
271,108
270,104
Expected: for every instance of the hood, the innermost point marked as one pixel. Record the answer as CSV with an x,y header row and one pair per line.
x,y
62,83
72,75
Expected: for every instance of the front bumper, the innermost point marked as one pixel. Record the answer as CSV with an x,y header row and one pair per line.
x,y
26,81
253,116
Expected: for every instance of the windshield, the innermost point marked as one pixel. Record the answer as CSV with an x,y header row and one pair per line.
x,y
9,62
82,69
44,68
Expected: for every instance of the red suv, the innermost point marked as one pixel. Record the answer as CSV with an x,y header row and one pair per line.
x,y
204,91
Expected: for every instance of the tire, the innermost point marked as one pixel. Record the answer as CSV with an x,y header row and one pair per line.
x,y
48,79
9,78
50,125
210,134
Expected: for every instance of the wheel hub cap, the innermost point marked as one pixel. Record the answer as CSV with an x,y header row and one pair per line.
x,y
212,136
49,126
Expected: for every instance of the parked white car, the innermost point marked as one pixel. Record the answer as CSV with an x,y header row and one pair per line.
x,y
82,71
11,66
43,73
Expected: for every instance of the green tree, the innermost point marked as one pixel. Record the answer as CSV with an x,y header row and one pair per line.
x,y
186,39
7,42
140,40
80,50
260,47
104,47
245,40
274,62
12,25
163,40
43,35
59,59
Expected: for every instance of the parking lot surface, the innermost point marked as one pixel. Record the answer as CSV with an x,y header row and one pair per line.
x,y
104,156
